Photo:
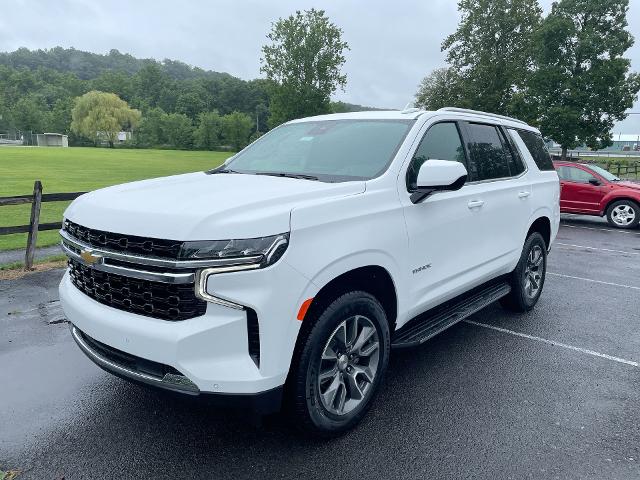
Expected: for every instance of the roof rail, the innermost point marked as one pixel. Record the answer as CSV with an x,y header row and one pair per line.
x,y
478,112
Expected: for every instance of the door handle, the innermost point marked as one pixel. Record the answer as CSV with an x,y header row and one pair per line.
x,y
524,194
475,203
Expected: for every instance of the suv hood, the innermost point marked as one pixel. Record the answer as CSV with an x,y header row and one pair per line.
x,y
199,206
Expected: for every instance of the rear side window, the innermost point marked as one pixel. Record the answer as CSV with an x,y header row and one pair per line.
x,y
574,174
490,156
537,148
441,142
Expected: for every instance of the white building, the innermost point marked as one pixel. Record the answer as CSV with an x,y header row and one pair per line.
x,y
52,140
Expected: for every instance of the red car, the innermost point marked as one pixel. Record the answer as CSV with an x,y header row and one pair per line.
x,y
591,190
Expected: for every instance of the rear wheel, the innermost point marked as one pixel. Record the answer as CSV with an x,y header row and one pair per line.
x,y
338,369
528,277
623,214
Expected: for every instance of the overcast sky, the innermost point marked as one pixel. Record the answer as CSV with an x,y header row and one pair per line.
x,y
393,43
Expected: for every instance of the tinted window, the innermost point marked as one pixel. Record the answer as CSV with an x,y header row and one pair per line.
x,y
489,156
516,164
332,150
573,174
536,146
441,142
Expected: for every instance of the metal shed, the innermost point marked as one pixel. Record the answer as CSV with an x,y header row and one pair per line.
x,y
52,140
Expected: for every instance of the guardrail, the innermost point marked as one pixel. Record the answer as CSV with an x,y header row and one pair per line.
x,y
34,226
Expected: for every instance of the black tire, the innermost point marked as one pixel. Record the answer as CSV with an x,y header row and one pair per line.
x,y
304,405
520,299
632,215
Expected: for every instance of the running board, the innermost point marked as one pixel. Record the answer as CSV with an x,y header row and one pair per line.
x,y
427,325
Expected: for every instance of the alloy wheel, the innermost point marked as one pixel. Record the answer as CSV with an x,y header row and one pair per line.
x,y
349,365
534,271
623,215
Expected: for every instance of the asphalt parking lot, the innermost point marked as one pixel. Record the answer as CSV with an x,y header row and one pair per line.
x,y
550,394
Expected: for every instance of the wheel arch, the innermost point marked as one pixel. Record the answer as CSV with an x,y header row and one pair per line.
x,y
542,225
374,279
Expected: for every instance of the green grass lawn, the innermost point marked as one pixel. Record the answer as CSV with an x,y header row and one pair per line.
x,y
81,169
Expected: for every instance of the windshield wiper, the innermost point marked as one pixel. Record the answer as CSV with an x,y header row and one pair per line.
x,y
288,175
222,170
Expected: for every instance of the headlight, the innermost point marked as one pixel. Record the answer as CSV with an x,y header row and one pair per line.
x,y
263,250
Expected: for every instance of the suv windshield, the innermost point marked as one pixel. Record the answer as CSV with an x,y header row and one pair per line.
x,y
328,150
603,173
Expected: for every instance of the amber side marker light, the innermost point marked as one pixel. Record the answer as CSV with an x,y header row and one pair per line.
x,y
303,308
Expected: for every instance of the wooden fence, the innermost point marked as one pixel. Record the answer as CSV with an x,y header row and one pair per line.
x,y
619,170
627,169
34,226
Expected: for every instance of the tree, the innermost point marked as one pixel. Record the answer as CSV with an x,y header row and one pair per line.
x,y
303,65
209,132
491,51
149,84
102,115
30,113
150,132
60,120
441,88
177,130
581,84
236,129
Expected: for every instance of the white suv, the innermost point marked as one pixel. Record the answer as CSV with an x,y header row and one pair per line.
x,y
288,274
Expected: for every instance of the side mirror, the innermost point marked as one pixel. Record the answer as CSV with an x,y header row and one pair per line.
x,y
594,181
438,176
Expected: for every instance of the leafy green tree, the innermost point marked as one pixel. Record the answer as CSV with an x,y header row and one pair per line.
x,y
442,88
491,51
30,114
114,82
149,84
191,102
149,132
177,130
99,115
208,135
581,83
303,64
236,129
60,119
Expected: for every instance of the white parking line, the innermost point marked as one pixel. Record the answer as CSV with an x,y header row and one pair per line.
x,y
594,281
594,248
601,229
554,343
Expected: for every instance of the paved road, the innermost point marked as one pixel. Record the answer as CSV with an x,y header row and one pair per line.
x,y
551,394
11,256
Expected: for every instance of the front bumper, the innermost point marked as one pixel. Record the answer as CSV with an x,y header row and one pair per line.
x,y
210,351
139,371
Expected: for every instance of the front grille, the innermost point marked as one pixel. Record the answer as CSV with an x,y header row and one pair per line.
x,y
143,297
129,244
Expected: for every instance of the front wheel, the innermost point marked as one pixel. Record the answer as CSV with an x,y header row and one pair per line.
x,y
528,277
623,214
338,369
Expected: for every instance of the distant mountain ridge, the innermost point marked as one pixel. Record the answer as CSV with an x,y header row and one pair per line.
x,y
88,65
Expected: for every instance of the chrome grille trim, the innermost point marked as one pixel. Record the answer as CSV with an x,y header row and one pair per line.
x,y
156,261
164,277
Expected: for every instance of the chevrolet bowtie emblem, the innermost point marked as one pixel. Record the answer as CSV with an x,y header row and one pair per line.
x,y
89,257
